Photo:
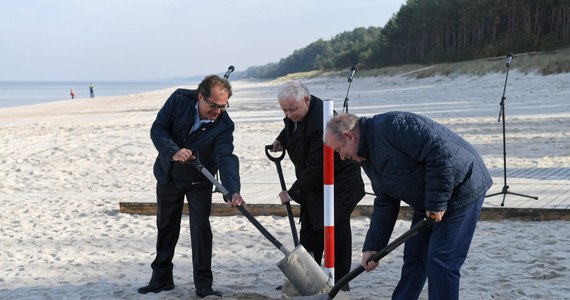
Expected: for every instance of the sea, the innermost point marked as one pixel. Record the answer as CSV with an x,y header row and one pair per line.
x,y
20,93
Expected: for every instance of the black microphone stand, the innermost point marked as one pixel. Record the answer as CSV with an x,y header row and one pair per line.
x,y
226,76
230,70
505,189
345,105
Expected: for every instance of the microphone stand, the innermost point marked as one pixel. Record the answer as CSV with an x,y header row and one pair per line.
x,y
217,176
345,105
230,70
505,189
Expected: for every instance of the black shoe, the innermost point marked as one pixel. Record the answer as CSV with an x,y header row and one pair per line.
x,y
207,292
155,288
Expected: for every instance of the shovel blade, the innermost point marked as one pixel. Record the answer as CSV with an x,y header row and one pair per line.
x,y
303,271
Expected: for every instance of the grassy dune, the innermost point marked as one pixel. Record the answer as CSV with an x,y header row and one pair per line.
x,y
543,63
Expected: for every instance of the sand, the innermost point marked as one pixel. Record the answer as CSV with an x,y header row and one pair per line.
x,y
66,165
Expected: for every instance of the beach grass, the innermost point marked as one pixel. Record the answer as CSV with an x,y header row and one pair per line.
x,y
543,63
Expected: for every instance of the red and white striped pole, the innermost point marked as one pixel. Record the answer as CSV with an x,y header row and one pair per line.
x,y
328,181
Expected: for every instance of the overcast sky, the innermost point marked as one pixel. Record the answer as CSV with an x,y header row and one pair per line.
x,y
153,39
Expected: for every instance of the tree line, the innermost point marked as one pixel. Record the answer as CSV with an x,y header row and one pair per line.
x,y
435,31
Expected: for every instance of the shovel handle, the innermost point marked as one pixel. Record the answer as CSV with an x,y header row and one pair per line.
x,y
380,254
277,161
271,157
198,165
292,224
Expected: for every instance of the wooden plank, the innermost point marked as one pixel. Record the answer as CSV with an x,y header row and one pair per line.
x,y
487,213
560,174
533,173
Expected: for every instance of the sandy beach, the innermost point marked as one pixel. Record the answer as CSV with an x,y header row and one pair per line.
x,y
66,166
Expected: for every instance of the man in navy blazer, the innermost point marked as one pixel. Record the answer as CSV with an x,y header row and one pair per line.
x,y
191,124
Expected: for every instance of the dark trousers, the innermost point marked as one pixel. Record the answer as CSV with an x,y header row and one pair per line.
x,y
170,202
437,254
314,243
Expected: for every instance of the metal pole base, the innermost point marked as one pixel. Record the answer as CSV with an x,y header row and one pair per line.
x,y
506,191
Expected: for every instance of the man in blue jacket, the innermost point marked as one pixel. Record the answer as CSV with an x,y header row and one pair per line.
x,y
191,123
414,159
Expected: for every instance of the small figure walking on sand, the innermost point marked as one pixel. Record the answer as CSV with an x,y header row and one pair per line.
x,y
72,93
91,90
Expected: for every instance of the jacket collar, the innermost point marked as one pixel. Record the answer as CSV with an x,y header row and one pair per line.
x,y
363,149
290,125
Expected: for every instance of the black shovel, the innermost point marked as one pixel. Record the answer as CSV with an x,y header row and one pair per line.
x,y
277,161
298,265
376,257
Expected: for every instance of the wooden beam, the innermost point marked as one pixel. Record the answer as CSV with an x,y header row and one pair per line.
x,y
487,213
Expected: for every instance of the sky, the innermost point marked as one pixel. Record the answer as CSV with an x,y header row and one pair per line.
x,y
122,40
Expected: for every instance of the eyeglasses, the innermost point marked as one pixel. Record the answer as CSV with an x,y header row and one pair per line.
x,y
214,106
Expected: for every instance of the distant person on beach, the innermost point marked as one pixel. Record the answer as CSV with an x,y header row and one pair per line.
x,y
302,138
91,90
414,159
72,93
191,123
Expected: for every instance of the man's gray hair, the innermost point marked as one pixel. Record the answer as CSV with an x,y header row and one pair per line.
x,y
341,123
295,89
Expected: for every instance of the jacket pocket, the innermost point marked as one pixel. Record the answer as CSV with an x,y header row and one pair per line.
x,y
186,176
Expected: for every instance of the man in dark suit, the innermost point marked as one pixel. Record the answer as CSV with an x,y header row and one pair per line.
x,y
191,122
302,137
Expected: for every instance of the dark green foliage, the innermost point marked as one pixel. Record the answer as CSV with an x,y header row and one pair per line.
x,y
435,31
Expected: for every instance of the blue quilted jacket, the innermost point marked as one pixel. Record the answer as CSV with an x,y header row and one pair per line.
x,y
414,159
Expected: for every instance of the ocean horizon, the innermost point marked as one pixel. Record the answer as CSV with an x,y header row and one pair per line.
x,y
21,93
